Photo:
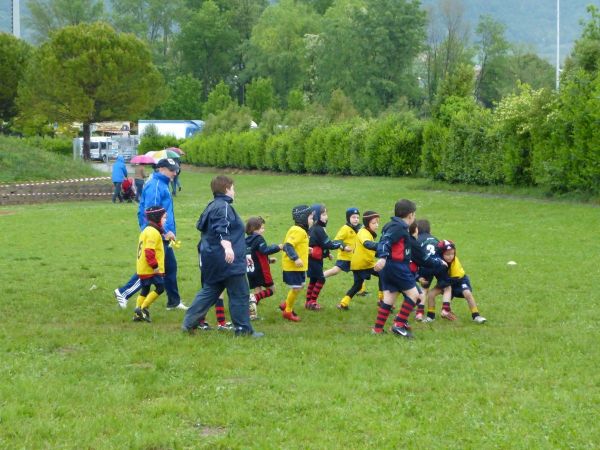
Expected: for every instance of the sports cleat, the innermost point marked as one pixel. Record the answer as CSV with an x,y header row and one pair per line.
x,y
419,317
180,306
282,306
402,331
428,319
121,299
291,316
479,319
227,326
377,331
146,314
204,326
342,307
312,306
448,315
252,308
138,315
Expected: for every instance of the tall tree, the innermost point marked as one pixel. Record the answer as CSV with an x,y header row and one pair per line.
x,y
277,46
47,16
493,78
448,44
586,52
207,45
151,20
242,16
368,51
528,68
14,54
260,97
184,99
90,73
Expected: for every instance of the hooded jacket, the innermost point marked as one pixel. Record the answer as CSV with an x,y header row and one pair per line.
x,y
156,193
218,222
119,170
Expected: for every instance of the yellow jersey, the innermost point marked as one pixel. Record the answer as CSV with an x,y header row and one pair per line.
x,y
297,237
362,258
456,269
150,253
348,236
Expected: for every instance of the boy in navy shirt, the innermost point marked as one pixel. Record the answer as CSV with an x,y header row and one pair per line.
x,y
394,252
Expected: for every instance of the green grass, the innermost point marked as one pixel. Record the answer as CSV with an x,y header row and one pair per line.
x,y
21,162
77,373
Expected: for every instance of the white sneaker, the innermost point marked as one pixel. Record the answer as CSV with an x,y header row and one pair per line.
x,y
121,299
180,306
479,319
428,319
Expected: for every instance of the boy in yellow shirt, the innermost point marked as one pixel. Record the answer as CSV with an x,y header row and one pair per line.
x,y
295,258
363,258
347,235
150,265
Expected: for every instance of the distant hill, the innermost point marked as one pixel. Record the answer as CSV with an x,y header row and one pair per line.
x,y
529,22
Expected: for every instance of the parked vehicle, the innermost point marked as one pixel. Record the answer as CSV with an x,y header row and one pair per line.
x,y
181,129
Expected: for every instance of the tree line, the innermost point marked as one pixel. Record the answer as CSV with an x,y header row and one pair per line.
x,y
286,64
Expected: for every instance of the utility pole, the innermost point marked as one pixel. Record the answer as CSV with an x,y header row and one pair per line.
x,y
557,45
16,18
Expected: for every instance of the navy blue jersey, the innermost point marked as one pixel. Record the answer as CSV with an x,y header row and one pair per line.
x,y
320,243
395,241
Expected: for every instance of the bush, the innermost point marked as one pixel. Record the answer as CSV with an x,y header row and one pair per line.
x,y
62,146
567,150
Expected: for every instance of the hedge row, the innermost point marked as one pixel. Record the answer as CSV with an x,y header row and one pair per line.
x,y
531,138
389,147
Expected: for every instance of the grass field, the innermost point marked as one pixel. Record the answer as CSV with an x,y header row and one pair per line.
x,y
77,373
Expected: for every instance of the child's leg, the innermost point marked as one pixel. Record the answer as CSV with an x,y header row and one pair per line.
x,y
383,311
363,289
331,272
356,286
473,306
289,313
446,310
313,303
410,299
431,295
420,306
262,293
309,289
152,296
220,310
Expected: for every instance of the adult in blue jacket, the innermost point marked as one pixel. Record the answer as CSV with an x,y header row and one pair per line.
x,y
222,249
119,173
156,193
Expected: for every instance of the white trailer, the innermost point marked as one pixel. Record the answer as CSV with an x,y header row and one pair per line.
x,y
181,129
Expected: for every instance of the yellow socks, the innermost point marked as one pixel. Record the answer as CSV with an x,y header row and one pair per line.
x,y
149,299
140,301
379,295
290,300
345,301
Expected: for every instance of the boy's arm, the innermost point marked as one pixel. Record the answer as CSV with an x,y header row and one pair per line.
x,y
267,249
290,251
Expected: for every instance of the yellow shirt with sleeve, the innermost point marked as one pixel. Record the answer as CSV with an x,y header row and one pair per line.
x,y
150,241
297,237
362,258
456,269
348,236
